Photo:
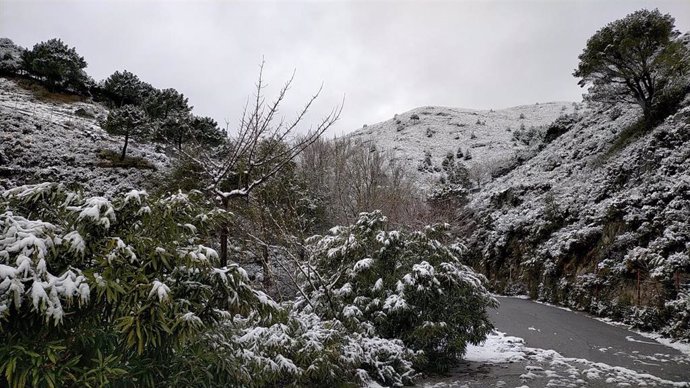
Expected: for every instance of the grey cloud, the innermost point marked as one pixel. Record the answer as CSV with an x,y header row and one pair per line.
x,y
385,57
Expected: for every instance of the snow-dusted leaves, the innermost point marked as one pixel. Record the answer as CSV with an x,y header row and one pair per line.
x,y
26,247
386,284
128,273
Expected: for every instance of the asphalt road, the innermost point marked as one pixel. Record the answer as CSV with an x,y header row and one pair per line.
x,y
577,335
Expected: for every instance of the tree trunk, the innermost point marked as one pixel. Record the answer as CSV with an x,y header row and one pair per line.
x,y
268,281
224,238
646,112
638,287
596,286
124,149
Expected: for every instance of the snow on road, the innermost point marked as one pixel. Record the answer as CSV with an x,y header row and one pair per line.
x,y
542,368
615,358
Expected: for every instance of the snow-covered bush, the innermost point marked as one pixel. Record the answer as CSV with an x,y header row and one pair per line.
x,y
124,292
303,349
529,136
94,291
678,325
398,285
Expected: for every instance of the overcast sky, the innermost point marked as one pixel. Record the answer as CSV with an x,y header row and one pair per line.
x,y
383,57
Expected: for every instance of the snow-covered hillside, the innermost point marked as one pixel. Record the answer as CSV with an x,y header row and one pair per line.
x,y
46,137
575,223
489,135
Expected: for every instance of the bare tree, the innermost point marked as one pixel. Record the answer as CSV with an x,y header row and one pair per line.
x,y
256,152
353,177
480,173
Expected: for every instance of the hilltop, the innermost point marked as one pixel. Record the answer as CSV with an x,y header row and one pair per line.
x,y
490,137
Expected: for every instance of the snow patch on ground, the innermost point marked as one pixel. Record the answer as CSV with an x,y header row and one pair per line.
x,y
632,339
681,346
553,305
555,370
498,348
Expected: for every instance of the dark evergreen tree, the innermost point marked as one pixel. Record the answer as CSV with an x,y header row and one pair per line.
x,y
125,88
128,121
164,103
448,162
205,131
175,128
635,59
458,174
57,64
170,115
10,57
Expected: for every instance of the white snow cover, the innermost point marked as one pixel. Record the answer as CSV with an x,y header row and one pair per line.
x,y
29,241
556,369
488,134
159,290
46,140
498,347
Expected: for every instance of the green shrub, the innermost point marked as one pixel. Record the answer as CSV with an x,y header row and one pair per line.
x,y
96,292
400,285
124,293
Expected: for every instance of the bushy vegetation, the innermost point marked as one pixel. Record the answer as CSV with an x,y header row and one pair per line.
x,y
348,178
10,57
127,292
377,281
98,292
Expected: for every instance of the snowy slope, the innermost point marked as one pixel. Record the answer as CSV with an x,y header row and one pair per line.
x,y
573,224
489,135
46,140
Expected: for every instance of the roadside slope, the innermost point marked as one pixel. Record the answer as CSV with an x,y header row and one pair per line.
x,y
574,224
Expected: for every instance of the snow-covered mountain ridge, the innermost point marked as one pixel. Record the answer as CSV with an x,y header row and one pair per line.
x,y
489,135
46,137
